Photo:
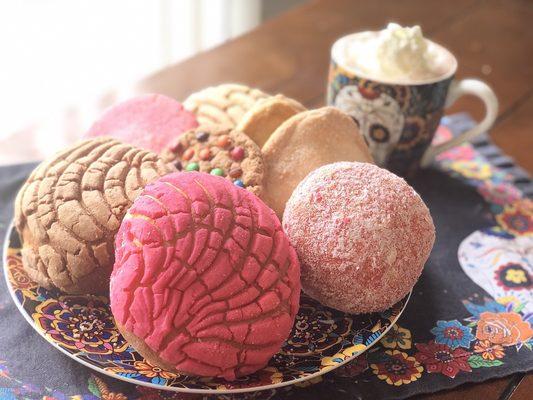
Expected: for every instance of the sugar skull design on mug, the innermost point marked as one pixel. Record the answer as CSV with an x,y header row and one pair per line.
x,y
378,115
398,119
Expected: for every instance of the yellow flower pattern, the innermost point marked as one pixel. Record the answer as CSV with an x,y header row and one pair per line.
x,y
151,371
516,276
397,337
398,368
472,169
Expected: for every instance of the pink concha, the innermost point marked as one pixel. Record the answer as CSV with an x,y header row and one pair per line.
x,y
149,121
362,235
205,280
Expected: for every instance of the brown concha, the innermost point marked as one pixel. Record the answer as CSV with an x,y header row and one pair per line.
x,y
68,211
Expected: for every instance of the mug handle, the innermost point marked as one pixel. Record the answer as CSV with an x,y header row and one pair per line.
x,y
458,89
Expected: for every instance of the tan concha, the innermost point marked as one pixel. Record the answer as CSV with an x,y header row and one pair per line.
x,y
70,208
224,104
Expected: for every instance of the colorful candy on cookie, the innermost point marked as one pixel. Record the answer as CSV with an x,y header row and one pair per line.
x,y
205,280
362,235
70,208
149,121
219,151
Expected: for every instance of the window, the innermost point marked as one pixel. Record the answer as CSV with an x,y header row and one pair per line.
x,y
60,52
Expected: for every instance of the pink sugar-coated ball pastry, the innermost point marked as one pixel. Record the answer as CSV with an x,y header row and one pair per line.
x,y
150,121
205,281
362,235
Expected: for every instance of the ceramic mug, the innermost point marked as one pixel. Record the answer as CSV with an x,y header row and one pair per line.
x,y
399,120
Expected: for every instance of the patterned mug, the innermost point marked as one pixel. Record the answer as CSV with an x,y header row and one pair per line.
x,y
399,120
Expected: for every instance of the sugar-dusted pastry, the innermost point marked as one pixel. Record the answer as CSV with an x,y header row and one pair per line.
x,y
70,208
362,235
224,104
266,115
205,280
149,121
219,151
303,143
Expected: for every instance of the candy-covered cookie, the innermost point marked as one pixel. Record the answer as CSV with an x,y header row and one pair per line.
x,y
225,104
266,115
305,142
70,208
219,151
150,121
205,280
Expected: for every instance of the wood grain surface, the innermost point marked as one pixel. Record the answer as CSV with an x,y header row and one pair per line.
x,y
493,40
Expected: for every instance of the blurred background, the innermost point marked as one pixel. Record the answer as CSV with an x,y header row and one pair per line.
x,y
57,53
62,62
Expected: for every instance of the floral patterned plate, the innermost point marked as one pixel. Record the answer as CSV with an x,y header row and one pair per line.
x,y
83,328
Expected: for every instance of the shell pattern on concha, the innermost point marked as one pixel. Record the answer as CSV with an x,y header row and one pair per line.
x,y
205,280
70,208
223,105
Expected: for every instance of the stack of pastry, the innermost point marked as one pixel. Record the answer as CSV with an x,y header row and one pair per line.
x,y
176,209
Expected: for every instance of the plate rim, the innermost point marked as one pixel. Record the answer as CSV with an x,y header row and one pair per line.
x,y
323,371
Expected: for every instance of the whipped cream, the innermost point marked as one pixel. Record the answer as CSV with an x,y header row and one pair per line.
x,y
395,54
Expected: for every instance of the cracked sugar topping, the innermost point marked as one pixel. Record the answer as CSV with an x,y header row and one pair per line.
x,y
205,276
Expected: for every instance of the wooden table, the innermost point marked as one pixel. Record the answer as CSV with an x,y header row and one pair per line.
x,y
493,40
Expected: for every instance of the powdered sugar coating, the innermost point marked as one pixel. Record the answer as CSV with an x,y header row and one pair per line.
x,y
362,235
205,281
148,121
